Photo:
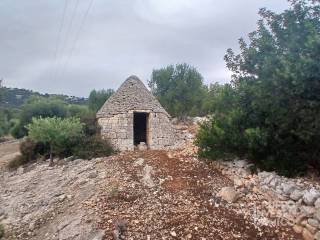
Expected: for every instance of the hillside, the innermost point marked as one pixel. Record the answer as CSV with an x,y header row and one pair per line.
x,y
15,97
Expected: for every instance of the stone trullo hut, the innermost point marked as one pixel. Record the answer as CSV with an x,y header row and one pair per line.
x,y
132,115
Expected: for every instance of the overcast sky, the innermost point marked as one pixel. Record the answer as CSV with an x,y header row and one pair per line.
x,y
116,39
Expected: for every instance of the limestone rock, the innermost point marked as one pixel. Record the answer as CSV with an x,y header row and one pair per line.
x,y
298,229
142,146
20,170
173,233
288,188
311,196
307,235
317,203
147,176
228,194
307,210
317,214
138,162
313,222
317,236
296,195
97,235
93,174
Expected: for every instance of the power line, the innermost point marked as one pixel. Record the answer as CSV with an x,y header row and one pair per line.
x,y
68,31
59,36
77,35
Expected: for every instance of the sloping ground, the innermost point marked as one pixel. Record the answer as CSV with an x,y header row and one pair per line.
x,y
180,205
149,195
8,151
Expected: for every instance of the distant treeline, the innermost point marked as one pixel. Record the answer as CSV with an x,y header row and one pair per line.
x,y
15,97
19,106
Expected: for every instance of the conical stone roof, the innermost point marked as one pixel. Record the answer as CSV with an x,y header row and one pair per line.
x,y
131,95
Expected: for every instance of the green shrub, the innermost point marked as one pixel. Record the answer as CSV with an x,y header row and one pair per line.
x,y
272,116
59,134
16,162
90,124
29,151
92,147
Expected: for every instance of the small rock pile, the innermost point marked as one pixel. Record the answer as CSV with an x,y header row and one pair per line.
x,y
297,201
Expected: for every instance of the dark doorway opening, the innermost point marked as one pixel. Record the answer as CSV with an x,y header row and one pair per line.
x,y
140,121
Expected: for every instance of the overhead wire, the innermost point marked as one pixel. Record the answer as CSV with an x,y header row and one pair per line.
x,y
68,30
59,37
77,35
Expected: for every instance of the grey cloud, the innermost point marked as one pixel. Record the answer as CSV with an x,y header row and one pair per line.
x,y
119,38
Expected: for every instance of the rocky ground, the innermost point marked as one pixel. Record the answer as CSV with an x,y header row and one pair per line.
x,y
134,195
8,150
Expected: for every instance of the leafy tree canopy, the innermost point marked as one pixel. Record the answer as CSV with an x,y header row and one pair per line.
x,y
98,97
275,108
179,88
59,133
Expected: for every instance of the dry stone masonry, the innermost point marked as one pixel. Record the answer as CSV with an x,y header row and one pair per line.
x,y
116,117
296,201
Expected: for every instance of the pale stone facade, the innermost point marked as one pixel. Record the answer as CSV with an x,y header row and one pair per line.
x,y
116,118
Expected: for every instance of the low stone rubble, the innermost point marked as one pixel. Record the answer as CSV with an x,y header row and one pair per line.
x,y
296,201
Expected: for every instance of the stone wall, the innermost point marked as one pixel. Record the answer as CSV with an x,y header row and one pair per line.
x,y
118,129
297,200
161,132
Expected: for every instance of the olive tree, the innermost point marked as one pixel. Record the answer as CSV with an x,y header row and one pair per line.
x,y
59,133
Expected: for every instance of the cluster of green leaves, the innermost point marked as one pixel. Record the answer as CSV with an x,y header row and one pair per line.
x,y
6,121
61,137
98,97
60,134
272,114
37,106
179,89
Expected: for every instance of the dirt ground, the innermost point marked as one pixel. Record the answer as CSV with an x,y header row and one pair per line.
x,y
180,205
141,194
7,152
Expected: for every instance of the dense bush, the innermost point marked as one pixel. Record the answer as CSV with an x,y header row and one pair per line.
x,y
92,147
7,120
29,152
38,107
60,134
273,114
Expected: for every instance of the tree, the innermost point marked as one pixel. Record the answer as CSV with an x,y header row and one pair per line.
x,y
179,89
59,133
276,102
37,106
98,98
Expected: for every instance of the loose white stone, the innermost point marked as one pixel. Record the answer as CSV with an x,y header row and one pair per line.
x,y
173,234
313,222
296,195
317,214
288,188
311,196
228,194
317,203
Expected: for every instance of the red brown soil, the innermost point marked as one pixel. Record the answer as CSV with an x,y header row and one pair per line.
x,y
179,206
